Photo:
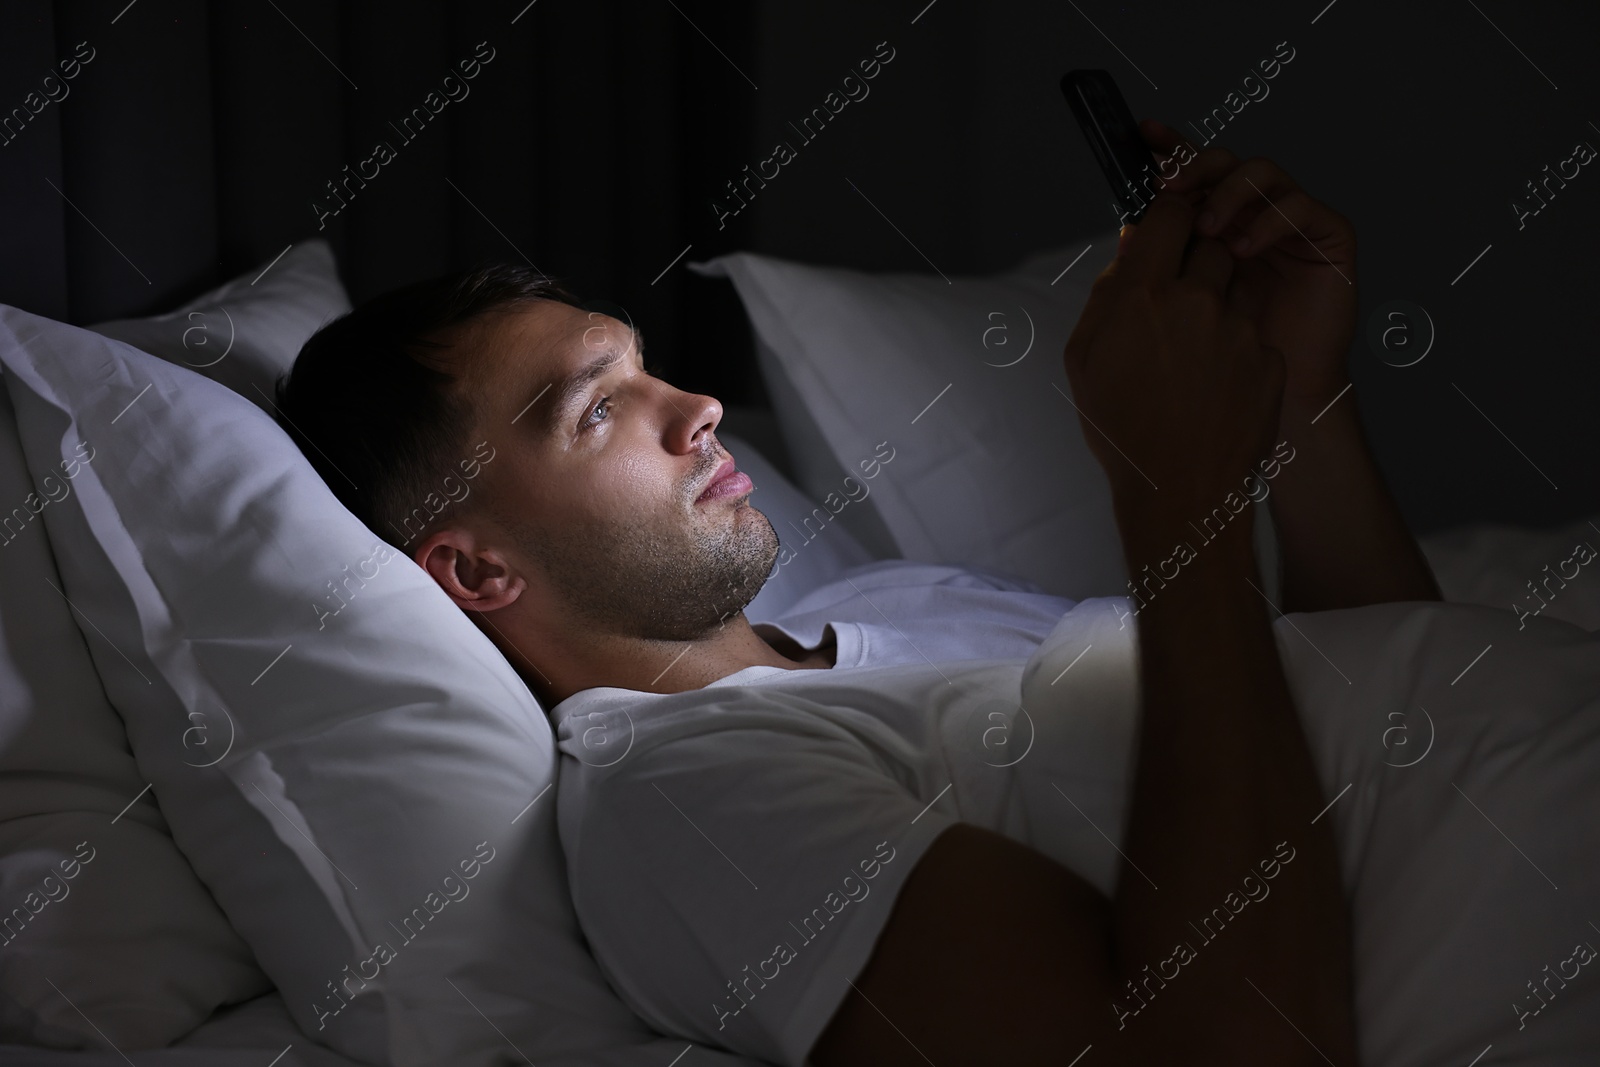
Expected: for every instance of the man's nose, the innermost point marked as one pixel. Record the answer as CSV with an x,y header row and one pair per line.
x,y
694,416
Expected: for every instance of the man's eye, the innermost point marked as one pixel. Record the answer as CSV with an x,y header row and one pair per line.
x,y
604,403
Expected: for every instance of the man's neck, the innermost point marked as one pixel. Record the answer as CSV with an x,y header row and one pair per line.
x,y
665,666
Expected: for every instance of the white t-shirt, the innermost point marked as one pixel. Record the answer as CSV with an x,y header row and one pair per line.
x,y
734,851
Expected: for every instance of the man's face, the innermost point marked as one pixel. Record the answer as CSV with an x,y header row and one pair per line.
x,y
597,479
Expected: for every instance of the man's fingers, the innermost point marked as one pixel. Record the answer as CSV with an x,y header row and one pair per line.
x,y
1237,198
1293,215
1160,137
1234,200
1204,171
1255,204
1211,264
1153,250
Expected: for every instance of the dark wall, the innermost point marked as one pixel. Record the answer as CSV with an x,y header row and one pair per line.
x,y
1421,123
595,144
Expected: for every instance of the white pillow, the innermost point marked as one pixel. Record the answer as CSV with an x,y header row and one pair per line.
x,y
94,896
247,332
373,753
1531,572
964,380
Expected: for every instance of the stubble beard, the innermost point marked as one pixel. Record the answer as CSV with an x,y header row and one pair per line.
x,y
637,581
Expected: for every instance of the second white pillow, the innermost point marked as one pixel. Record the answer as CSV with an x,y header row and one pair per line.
x,y
963,377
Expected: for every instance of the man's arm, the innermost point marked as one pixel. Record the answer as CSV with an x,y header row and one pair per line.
x,y
1225,780
1341,538
996,954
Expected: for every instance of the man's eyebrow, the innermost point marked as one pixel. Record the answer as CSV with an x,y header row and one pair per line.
x,y
559,395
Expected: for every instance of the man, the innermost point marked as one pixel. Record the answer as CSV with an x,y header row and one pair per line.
x,y
607,547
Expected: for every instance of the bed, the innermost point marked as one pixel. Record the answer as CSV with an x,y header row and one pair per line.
x,y
264,745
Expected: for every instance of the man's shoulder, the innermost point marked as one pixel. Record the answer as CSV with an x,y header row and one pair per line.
x,y
606,728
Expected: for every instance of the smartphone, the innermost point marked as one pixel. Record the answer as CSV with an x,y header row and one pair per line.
x,y
1109,127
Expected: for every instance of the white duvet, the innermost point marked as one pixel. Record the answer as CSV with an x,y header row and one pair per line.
x,y
1469,833
1460,748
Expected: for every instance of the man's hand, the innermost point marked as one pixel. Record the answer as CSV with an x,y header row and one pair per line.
x,y
1295,277
1341,538
1177,396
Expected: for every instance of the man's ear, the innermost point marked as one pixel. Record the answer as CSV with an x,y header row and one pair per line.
x,y
476,577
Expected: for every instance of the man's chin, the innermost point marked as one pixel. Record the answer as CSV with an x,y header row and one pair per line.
x,y
771,537
746,507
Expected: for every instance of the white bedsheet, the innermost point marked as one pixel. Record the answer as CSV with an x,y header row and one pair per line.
x,y
1461,756
1471,867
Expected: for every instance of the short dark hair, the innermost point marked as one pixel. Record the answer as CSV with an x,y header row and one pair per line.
x,y
374,402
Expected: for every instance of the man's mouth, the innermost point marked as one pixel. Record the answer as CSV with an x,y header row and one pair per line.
x,y
726,481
